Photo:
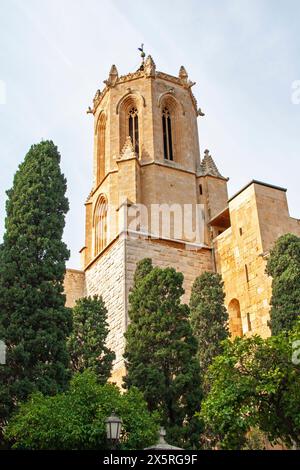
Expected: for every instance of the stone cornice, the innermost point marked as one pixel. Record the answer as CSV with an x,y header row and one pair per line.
x,y
141,74
97,99
224,178
260,183
93,191
123,236
187,85
72,270
124,78
131,76
169,78
165,165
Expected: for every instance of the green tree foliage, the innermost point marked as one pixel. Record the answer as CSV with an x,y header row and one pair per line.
x,y
209,317
284,267
255,439
75,420
254,384
34,322
86,344
161,352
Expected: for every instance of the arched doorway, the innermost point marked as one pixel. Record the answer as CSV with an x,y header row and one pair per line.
x,y
235,320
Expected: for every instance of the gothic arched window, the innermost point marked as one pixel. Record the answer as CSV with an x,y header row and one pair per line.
x,y
167,134
100,224
101,149
133,125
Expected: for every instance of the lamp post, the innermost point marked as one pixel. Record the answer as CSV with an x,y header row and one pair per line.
x,y
113,429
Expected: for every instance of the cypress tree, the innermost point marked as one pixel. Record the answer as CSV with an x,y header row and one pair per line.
x,y
284,267
86,344
34,322
161,352
209,317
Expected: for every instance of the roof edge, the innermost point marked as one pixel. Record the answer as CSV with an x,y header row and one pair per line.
x,y
261,183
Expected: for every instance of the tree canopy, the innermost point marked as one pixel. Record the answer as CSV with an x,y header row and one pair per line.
x,y
75,420
34,322
284,267
87,342
209,317
161,352
254,384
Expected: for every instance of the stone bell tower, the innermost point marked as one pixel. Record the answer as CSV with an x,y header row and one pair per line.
x,y
149,183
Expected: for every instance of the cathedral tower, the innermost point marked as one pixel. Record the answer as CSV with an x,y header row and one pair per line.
x,y
151,193
152,196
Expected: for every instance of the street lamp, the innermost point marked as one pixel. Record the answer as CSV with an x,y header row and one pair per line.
x,y
113,429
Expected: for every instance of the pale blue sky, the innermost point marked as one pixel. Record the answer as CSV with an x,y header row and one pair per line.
x,y
243,54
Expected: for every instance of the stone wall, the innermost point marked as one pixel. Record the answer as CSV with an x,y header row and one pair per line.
x,y
238,257
74,286
259,215
111,275
190,262
106,277
273,213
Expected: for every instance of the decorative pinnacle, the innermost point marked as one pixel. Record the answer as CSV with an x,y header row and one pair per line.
x,y
183,75
112,77
208,166
113,71
127,150
149,67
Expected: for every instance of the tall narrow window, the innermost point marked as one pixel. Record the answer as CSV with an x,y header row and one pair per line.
x,y
167,134
101,150
249,325
134,128
100,224
247,273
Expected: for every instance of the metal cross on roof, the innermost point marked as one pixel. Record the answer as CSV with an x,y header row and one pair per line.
x,y
143,55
